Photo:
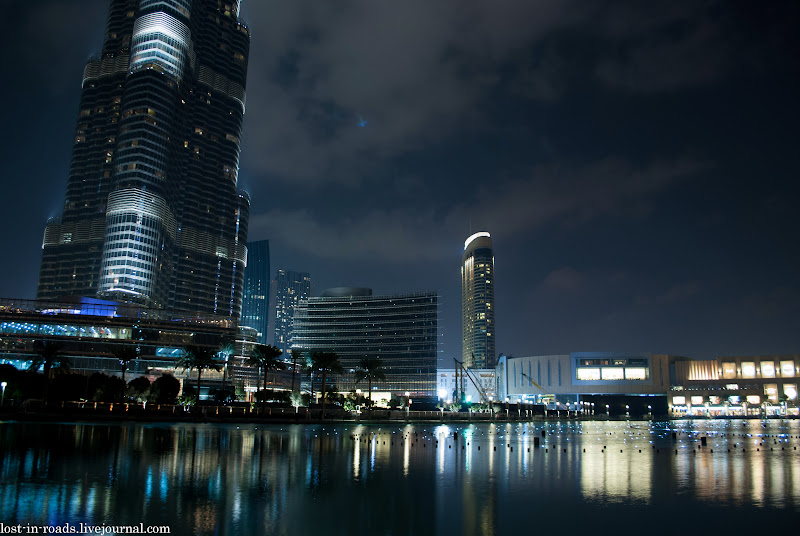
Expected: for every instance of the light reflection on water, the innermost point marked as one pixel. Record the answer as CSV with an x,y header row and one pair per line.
x,y
399,479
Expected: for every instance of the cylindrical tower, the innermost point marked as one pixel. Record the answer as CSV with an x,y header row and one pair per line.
x,y
477,302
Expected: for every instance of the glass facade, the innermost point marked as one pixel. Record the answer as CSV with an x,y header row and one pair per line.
x,y
399,330
152,214
255,304
477,302
290,288
90,334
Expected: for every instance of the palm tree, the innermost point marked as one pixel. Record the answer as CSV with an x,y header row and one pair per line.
x,y
227,349
326,363
297,355
48,353
370,369
310,367
200,359
125,354
265,356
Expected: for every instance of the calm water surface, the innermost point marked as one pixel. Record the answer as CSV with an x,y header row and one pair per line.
x,y
607,477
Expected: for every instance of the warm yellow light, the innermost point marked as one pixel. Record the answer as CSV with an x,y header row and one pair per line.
x,y
729,371
610,373
588,374
635,373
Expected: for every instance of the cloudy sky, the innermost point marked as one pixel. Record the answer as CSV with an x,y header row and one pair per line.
x,y
636,162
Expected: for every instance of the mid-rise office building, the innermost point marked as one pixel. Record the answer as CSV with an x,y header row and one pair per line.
x,y
255,303
152,213
477,302
290,288
399,330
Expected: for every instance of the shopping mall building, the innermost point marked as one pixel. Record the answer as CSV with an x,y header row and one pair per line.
x,y
638,384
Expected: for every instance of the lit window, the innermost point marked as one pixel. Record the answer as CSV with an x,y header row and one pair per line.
x,y
753,399
610,373
635,373
771,390
588,374
767,369
748,369
787,369
729,371
697,400
732,386
678,400
790,390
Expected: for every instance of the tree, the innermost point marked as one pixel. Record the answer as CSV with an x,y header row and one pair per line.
x,y
333,396
310,367
265,356
103,388
125,354
165,389
326,363
370,369
227,349
297,355
199,359
296,400
48,355
139,389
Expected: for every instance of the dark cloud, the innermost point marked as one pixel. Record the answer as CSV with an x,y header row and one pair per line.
x,y
563,194
46,41
632,159
564,280
414,71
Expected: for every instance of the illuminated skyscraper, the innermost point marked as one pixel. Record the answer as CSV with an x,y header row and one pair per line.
x,y
477,302
400,330
290,288
255,303
152,213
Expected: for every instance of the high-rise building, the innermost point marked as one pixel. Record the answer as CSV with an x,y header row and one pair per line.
x,y
399,330
477,302
152,213
290,288
255,302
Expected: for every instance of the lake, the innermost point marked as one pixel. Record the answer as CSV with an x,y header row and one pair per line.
x,y
621,477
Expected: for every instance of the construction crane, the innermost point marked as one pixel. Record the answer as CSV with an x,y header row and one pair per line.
x,y
461,370
545,393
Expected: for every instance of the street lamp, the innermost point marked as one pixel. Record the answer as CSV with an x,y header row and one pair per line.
x,y
408,402
627,410
608,411
650,411
3,399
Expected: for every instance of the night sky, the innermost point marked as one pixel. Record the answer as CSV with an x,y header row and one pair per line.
x,y
636,163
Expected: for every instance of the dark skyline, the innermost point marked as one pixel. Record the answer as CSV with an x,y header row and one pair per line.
x,y
634,161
